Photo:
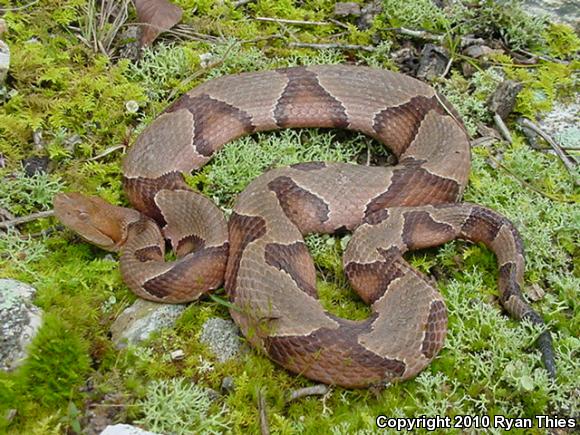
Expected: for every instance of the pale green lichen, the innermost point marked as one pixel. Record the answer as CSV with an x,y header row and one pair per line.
x,y
180,407
22,194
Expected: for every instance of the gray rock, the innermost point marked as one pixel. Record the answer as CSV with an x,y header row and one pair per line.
x,y
177,355
222,337
503,100
228,385
368,13
476,51
562,123
19,322
432,62
126,429
138,321
563,11
4,61
343,9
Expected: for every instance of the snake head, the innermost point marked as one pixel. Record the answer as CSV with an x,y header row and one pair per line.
x,y
94,219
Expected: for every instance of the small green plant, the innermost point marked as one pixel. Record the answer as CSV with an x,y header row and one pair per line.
x,y
72,418
101,24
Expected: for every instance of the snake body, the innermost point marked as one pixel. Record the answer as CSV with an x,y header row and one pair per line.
x,y
269,274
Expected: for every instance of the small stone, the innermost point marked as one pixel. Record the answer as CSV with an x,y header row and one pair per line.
x,y
10,414
141,319
37,139
205,59
212,394
126,429
222,337
130,43
503,100
432,62
4,60
5,215
228,385
35,165
368,13
486,131
477,51
535,292
177,355
344,9
467,69
561,11
71,142
407,60
20,320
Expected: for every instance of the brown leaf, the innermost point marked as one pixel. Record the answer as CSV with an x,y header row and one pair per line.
x,y
157,17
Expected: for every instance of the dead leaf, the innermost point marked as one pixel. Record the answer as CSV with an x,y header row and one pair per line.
x,y
157,16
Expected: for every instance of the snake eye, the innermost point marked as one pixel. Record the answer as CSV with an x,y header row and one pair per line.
x,y
84,216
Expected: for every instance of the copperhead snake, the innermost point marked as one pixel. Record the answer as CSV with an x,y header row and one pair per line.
x,y
269,274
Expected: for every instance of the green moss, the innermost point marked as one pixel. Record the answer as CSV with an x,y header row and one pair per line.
x,y
542,86
561,40
57,365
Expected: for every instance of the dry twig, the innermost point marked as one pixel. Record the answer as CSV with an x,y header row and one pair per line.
x,y
24,219
261,38
107,152
19,8
504,131
542,57
569,164
423,34
242,3
264,426
298,22
316,390
447,68
338,23
329,46
482,140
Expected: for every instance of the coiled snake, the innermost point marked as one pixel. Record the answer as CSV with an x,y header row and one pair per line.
x,y
269,274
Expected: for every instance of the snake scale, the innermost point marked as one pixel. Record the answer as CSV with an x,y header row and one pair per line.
x,y
269,274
